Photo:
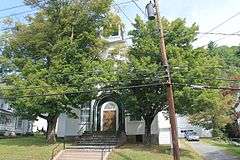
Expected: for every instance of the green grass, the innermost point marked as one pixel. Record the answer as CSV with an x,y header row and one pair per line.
x,y
229,148
140,152
25,148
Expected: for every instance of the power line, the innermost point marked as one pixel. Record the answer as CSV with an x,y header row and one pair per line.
x,y
88,91
117,81
8,28
182,67
220,33
123,3
222,23
220,39
13,7
139,8
17,14
193,86
131,22
79,84
23,5
202,87
209,79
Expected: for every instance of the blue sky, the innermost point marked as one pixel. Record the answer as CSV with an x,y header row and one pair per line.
x,y
206,13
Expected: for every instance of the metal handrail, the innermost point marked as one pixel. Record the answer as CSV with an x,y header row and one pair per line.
x,y
105,149
83,125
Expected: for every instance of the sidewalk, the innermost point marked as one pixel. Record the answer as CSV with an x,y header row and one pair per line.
x,y
210,152
82,154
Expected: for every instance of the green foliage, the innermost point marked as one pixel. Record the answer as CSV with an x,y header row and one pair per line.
x,y
190,70
60,52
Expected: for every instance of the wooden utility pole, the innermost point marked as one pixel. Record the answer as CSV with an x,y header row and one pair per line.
x,y
171,108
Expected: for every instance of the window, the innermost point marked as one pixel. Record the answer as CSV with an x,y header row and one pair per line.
x,y
85,114
8,120
110,106
115,32
184,131
19,124
2,119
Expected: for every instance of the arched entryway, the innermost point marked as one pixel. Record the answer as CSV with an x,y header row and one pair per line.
x,y
108,114
109,117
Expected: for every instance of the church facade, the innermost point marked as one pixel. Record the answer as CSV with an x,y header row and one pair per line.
x,y
107,114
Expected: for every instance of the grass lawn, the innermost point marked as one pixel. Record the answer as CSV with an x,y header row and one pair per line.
x,y
25,148
139,152
229,148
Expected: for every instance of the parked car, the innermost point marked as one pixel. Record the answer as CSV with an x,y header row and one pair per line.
x,y
192,136
186,132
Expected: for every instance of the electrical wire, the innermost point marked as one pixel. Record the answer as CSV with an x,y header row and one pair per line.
x,y
13,7
123,12
193,86
139,8
124,3
222,23
79,84
219,39
202,87
182,67
87,91
209,79
17,14
219,33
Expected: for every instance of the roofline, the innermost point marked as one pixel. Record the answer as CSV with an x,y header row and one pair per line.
x,y
3,110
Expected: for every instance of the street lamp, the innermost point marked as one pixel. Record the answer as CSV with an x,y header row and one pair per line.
x,y
150,11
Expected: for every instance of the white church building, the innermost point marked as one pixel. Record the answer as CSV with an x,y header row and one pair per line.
x,y
107,113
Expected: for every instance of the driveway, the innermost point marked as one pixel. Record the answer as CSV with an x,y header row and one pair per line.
x,y
211,152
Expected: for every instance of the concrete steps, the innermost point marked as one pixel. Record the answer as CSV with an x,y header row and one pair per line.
x,y
90,146
78,154
98,139
93,147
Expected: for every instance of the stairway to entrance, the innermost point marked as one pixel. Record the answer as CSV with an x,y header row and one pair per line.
x,y
91,146
98,140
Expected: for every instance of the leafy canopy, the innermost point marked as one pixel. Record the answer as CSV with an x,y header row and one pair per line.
x,y
59,51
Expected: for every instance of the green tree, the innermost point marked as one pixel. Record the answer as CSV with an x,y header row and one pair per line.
x,y
217,114
230,62
59,51
188,67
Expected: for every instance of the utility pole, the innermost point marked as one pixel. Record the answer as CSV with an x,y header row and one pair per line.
x,y
171,107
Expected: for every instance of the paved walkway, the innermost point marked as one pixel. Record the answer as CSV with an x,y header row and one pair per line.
x,y
80,154
211,152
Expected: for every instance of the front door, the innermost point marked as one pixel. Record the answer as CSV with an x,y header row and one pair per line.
x,y
109,121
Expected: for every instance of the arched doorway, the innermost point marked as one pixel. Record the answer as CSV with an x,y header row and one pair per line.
x,y
109,117
110,106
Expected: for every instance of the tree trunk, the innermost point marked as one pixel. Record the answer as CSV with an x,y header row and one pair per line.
x,y
236,129
51,126
147,136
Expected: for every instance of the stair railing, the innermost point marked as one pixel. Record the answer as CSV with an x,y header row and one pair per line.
x,y
83,125
105,149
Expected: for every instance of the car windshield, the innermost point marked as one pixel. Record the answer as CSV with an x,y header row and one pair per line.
x,y
193,133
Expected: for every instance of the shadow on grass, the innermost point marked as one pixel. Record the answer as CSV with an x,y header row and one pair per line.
x,y
163,150
37,140
123,156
